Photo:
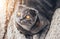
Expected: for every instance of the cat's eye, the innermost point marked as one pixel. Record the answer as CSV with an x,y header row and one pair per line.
x,y
28,17
18,14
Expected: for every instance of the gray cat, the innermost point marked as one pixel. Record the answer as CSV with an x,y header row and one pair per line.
x,y
34,17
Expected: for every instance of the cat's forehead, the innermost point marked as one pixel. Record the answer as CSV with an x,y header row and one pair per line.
x,y
24,8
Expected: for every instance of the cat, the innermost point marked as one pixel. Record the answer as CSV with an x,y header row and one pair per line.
x,y
35,17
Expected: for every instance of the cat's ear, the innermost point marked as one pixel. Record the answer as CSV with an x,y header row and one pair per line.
x,y
32,12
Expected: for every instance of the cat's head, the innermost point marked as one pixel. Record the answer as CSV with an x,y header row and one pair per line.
x,y
26,17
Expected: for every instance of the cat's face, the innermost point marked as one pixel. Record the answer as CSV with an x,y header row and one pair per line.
x,y
26,17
